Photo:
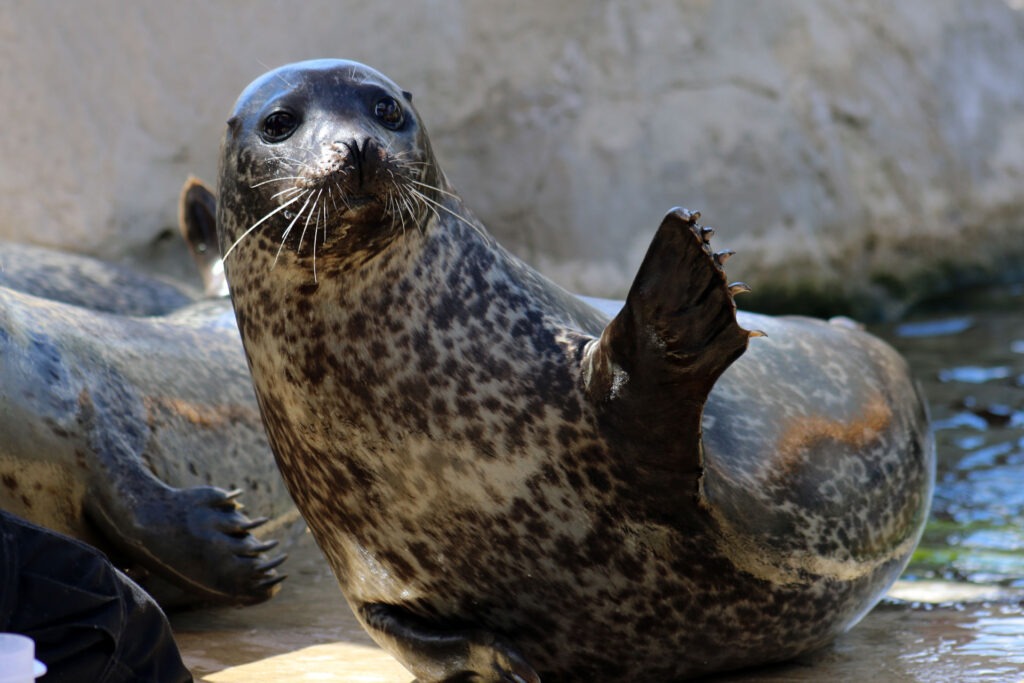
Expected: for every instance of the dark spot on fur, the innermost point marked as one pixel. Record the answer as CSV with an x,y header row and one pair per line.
x,y
401,568
356,325
599,479
567,435
269,305
315,366
424,556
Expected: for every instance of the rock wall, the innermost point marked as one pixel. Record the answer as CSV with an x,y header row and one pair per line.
x,y
858,155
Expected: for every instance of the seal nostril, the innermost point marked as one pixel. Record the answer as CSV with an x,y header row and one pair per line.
x,y
362,157
369,149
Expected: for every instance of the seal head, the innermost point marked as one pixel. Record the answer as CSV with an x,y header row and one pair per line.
x,y
327,144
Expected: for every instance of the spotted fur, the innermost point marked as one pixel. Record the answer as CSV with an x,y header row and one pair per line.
x,y
508,486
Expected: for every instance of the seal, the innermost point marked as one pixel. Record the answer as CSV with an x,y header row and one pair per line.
x,y
122,401
508,485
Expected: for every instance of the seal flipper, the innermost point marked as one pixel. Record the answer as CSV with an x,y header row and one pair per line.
x,y
654,365
437,655
196,538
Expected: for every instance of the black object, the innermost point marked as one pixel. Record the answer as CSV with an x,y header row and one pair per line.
x,y
90,622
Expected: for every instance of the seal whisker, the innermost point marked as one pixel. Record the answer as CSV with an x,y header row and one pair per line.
x,y
257,224
341,196
292,160
316,229
477,229
434,187
275,180
287,231
416,197
309,216
396,209
283,192
407,206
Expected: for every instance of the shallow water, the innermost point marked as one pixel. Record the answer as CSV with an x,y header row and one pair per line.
x,y
970,360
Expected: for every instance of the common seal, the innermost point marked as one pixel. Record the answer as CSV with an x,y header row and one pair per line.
x,y
120,416
508,486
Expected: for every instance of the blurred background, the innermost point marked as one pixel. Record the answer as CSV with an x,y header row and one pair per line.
x,y
860,156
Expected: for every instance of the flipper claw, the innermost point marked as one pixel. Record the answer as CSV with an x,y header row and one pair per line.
x,y
689,217
272,563
262,548
722,256
253,523
271,582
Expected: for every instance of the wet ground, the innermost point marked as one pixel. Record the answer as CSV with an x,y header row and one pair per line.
x,y
957,615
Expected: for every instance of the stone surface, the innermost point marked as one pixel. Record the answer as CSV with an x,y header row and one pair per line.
x,y
867,150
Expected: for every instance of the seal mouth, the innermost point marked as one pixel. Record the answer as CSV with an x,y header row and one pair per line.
x,y
360,201
346,164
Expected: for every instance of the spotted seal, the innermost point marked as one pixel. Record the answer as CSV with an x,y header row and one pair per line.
x,y
508,485
124,401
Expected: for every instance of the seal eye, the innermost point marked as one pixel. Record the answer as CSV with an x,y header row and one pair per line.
x,y
279,126
389,112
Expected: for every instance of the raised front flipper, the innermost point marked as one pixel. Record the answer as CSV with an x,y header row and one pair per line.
x,y
437,655
650,372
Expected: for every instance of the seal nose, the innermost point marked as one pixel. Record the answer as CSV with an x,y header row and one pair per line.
x,y
365,158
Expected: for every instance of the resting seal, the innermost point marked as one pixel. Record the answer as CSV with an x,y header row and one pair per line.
x,y
508,486
124,402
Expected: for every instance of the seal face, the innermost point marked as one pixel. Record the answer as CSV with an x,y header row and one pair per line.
x,y
372,186
510,486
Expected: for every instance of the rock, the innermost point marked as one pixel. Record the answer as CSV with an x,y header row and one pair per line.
x,y
858,156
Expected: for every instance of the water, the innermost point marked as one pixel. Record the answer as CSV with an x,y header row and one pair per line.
x,y
970,361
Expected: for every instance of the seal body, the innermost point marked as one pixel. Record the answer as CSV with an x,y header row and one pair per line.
x,y
124,404
509,484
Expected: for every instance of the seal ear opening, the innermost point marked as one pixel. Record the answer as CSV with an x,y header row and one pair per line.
x,y
407,95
